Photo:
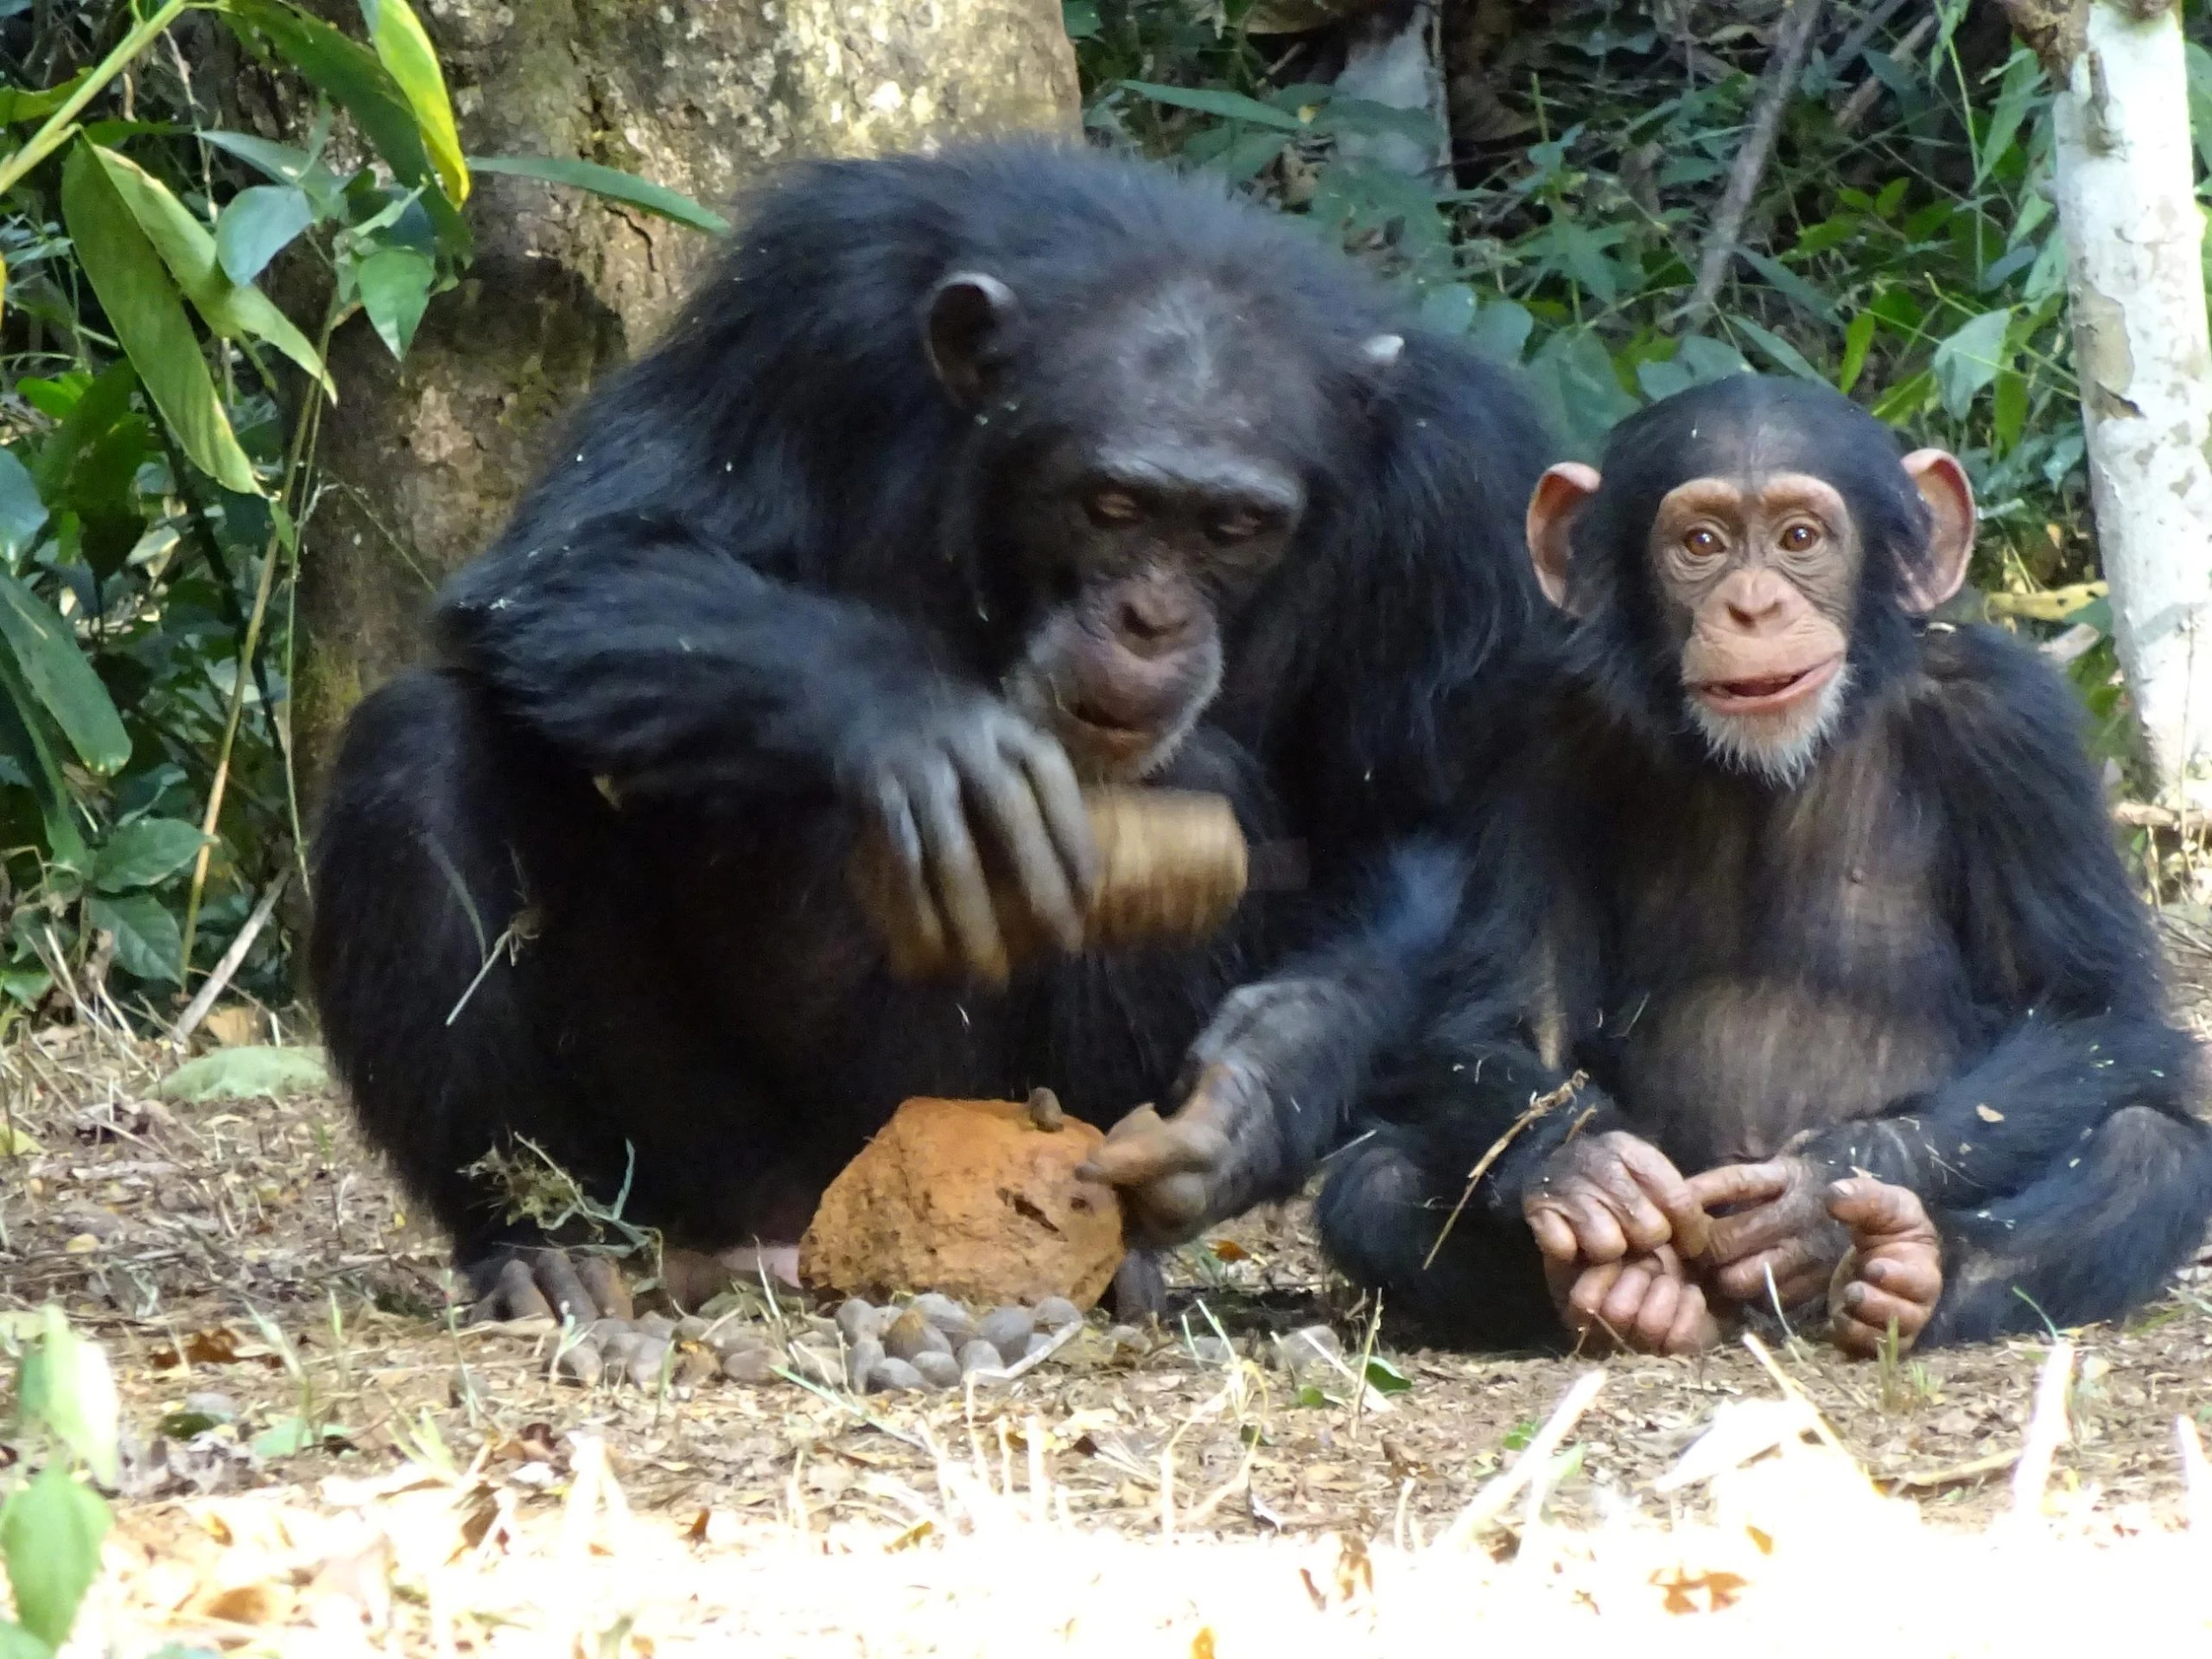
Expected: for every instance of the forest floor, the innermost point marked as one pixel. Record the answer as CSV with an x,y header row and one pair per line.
x,y
319,1458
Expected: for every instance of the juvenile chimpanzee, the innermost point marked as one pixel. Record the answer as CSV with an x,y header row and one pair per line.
x,y
1824,902
964,482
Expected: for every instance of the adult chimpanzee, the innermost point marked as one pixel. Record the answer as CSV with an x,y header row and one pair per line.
x,y
963,481
1826,907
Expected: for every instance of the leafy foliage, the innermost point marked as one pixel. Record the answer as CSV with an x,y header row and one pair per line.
x,y
157,424
51,1525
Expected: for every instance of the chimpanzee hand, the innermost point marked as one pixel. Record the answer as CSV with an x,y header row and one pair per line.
x,y
1604,1198
1784,1229
1214,1152
522,1281
1894,1270
1646,1304
927,786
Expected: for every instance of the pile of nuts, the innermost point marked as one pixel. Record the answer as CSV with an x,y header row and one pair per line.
x,y
934,1341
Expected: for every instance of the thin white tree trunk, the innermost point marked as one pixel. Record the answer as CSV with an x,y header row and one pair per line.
x,y
2127,208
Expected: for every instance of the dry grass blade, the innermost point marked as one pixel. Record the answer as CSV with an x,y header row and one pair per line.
x,y
2047,1431
1539,1106
1534,1460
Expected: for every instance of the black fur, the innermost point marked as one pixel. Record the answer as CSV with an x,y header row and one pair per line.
x,y
776,532
1925,954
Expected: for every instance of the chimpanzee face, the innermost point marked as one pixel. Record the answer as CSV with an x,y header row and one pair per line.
x,y
1153,476
1757,568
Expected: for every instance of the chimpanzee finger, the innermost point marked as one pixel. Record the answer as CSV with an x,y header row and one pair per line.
x,y
1586,1297
602,1282
1052,781
1146,1147
916,937
1732,1184
1005,794
1640,1221
1694,1328
1877,1210
1792,1263
955,872
514,1295
1916,1277
1863,1327
1598,1232
1665,1190
1172,1209
1554,1235
556,1278
1624,1300
1649,1324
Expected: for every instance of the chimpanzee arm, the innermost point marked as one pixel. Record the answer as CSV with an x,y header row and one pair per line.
x,y
2058,950
660,661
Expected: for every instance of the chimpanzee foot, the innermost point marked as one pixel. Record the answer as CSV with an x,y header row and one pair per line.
x,y
538,1282
1894,1274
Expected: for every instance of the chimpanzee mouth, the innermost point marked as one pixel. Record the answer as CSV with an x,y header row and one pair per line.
x,y
1766,694
1099,726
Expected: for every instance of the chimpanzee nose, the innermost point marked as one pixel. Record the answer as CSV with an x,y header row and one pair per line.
x,y
1152,621
1755,599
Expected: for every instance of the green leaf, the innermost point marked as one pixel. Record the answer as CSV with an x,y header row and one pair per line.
x,y
1968,360
251,1071
16,1642
395,287
350,73
1449,309
407,56
143,307
259,224
1572,375
66,1384
22,513
54,671
186,247
142,852
1708,359
1230,106
1501,330
2009,418
52,1530
608,181
1384,1377
23,741
1857,339
1789,282
147,940
286,166
2023,80
1778,351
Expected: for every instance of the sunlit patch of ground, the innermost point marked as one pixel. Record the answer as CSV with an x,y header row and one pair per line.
x,y
317,1455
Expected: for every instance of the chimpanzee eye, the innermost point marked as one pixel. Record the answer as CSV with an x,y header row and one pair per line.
x,y
1798,538
1703,544
1112,508
1238,524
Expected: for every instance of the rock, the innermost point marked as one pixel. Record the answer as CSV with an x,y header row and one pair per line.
x,y
753,1365
956,1321
638,1357
727,1337
599,1333
866,1354
1038,1343
939,1371
692,1328
894,1376
654,1325
970,1197
208,1404
1054,1311
1008,1330
980,1356
910,1335
859,1321
818,1363
580,1363
1213,1351
1308,1353
1128,1337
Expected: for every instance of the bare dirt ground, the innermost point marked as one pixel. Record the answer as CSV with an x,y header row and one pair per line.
x,y
319,1457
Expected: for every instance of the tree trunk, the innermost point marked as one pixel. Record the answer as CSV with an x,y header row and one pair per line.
x,y
425,460
2135,275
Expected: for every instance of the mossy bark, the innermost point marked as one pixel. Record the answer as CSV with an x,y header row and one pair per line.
x,y
423,460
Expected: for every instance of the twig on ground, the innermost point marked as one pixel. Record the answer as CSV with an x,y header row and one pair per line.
x,y
219,979
1775,86
1535,1458
1788,1384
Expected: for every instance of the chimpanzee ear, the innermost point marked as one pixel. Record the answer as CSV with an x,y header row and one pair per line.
x,y
1561,493
967,314
1943,484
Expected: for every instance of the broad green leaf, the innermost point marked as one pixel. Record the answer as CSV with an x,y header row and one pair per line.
x,y
1663,379
249,1072
1230,106
349,72
19,107
16,1642
259,224
142,306
1789,282
1384,1377
608,181
1572,375
54,671
22,513
1449,309
52,1530
1778,351
186,247
2010,416
147,939
22,739
66,1384
286,166
2023,79
1857,339
1501,330
407,56
142,852
1968,360
1708,359
395,287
